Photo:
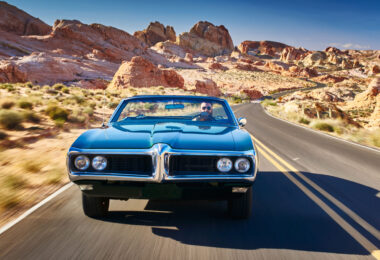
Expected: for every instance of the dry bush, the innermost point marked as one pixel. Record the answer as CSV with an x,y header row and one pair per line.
x,y
7,104
32,166
24,104
32,117
10,119
57,113
3,135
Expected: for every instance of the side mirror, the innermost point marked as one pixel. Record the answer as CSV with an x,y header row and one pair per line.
x,y
242,121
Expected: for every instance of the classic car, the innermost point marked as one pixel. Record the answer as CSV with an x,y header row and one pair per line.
x,y
166,147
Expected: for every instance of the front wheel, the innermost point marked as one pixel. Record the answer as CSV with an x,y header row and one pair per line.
x,y
95,207
241,205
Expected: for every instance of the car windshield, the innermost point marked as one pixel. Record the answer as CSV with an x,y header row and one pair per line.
x,y
174,109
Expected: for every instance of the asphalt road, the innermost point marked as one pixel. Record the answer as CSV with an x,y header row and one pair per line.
x,y
326,207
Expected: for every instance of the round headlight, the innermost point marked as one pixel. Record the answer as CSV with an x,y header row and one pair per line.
x,y
242,165
99,163
82,162
224,165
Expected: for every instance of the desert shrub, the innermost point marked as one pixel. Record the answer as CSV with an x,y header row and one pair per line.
x,y
25,104
14,181
3,135
65,90
7,104
32,166
92,104
10,119
57,113
59,122
8,87
78,99
112,105
303,120
51,91
28,85
324,127
58,86
374,138
31,117
89,111
268,102
77,118
9,199
54,176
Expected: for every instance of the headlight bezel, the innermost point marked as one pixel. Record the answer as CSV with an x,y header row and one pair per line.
x,y
230,163
236,164
99,157
87,164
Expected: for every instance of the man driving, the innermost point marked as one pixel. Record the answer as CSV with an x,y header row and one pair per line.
x,y
206,112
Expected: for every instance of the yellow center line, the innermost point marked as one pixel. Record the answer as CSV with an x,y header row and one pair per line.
x,y
372,230
370,247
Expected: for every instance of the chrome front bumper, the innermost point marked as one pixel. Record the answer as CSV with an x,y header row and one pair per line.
x,y
160,154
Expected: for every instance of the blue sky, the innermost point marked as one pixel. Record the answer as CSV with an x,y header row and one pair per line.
x,y
311,24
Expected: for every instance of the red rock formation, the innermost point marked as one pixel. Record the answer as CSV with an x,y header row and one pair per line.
x,y
263,47
334,50
189,57
207,39
290,54
246,67
207,87
217,66
18,22
103,42
140,72
253,93
156,32
375,69
10,73
330,78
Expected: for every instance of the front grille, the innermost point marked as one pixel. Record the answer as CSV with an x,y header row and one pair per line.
x,y
198,165
122,164
184,165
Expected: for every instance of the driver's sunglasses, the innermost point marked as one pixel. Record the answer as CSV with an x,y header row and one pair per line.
x,y
204,108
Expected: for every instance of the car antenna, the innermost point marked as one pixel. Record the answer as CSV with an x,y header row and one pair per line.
x,y
103,107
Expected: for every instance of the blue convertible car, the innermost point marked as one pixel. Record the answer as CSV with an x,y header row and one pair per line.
x,y
166,147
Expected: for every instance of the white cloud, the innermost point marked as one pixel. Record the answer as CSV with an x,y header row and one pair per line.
x,y
350,46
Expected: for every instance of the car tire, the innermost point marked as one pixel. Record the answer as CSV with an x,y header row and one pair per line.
x,y
95,207
240,207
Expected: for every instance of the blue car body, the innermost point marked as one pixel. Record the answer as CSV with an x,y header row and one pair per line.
x,y
161,144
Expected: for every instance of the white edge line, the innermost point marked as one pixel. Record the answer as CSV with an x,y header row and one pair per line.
x,y
321,133
34,208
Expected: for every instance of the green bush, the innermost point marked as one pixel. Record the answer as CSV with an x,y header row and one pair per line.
x,y
31,117
77,119
324,127
7,104
10,119
268,102
57,113
304,121
25,104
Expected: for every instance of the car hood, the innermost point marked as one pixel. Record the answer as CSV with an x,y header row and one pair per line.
x,y
176,135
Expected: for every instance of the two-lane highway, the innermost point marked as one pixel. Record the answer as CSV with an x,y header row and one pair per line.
x,y
315,197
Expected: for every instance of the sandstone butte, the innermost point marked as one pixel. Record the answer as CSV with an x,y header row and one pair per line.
x,y
208,87
207,39
156,32
140,72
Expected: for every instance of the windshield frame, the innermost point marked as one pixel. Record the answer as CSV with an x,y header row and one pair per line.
x,y
223,102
